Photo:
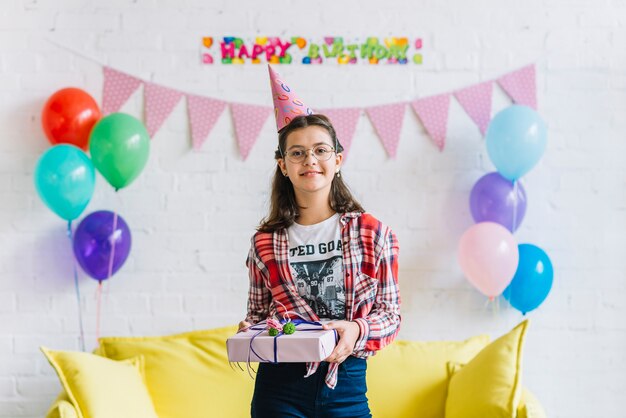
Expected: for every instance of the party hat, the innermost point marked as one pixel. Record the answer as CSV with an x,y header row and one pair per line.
x,y
286,104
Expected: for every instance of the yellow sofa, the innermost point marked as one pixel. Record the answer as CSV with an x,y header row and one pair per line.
x,y
188,376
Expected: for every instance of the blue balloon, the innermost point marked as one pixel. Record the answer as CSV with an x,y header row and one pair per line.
x,y
65,179
532,281
516,140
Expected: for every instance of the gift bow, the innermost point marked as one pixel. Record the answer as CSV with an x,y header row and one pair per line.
x,y
272,323
264,325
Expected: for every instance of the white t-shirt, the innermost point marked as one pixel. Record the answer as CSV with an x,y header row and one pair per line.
x,y
316,261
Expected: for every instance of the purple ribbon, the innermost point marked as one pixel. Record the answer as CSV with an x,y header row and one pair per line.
x,y
296,322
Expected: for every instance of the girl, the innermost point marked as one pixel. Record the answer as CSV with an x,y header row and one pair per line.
x,y
320,255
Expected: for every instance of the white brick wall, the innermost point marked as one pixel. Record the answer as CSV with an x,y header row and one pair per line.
x,y
192,213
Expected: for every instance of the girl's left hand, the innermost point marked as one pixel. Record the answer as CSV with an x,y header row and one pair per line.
x,y
349,332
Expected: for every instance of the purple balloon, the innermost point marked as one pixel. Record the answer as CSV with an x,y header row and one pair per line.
x,y
494,199
96,239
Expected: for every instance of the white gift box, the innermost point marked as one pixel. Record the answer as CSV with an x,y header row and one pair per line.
x,y
301,346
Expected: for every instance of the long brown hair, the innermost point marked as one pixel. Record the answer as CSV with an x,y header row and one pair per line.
x,y
283,207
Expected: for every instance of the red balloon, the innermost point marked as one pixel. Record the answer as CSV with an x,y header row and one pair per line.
x,y
68,116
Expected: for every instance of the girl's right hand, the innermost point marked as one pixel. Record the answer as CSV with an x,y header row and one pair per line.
x,y
243,326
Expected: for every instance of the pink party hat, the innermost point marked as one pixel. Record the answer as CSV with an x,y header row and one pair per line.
x,y
286,104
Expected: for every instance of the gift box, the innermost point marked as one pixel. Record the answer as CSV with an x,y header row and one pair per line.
x,y
305,345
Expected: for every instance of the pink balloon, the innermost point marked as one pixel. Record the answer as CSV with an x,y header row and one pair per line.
x,y
488,255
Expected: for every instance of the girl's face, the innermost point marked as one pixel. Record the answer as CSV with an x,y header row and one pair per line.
x,y
312,174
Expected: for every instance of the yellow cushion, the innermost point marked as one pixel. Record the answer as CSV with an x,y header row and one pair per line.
x,y
529,406
490,384
409,378
102,388
188,375
62,408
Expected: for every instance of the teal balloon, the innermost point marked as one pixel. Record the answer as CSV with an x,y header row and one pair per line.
x,y
532,281
516,139
65,179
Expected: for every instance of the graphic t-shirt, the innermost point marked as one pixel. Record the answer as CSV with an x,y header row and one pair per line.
x,y
316,261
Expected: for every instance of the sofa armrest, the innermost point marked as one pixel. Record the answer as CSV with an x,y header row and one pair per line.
x,y
62,408
529,406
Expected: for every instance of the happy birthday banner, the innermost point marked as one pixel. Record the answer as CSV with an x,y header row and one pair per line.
x,y
432,111
276,50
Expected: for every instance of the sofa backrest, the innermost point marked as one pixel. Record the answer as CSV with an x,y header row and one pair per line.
x,y
189,374
410,376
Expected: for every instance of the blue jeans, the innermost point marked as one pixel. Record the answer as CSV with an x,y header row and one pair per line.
x,y
282,391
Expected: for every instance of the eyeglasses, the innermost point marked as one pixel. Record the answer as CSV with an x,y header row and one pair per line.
x,y
320,152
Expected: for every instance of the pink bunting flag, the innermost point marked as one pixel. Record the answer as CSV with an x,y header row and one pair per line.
x,y
521,86
249,120
433,112
344,121
203,113
159,103
476,101
387,119
118,87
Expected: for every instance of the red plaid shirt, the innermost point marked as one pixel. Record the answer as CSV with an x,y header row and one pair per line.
x,y
370,261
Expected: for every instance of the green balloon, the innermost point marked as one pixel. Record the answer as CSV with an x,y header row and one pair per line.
x,y
119,145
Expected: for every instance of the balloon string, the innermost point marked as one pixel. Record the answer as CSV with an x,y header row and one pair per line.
x,y
492,304
77,289
98,307
514,206
112,240
515,191
110,272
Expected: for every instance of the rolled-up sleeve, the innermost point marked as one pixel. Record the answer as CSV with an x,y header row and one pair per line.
x,y
380,327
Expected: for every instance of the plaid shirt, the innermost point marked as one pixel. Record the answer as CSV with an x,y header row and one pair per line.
x,y
370,261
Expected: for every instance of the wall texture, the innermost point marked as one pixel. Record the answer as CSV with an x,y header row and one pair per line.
x,y
192,213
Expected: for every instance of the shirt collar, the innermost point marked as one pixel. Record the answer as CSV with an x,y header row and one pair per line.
x,y
345,218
